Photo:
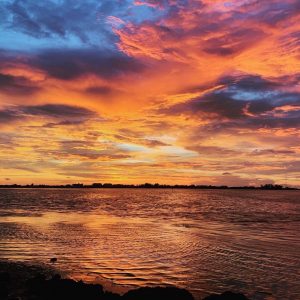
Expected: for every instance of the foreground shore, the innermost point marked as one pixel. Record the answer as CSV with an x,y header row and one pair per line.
x,y
20,281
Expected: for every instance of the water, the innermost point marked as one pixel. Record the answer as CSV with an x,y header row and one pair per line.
x,y
203,240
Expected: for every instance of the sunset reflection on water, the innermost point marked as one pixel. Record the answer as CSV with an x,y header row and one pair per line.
x,y
203,240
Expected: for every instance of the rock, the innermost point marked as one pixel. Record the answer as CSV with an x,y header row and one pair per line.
x,y
227,296
158,293
111,296
5,281
61,289
56,277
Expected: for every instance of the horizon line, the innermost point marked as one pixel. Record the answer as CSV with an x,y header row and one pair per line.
x,y
150,185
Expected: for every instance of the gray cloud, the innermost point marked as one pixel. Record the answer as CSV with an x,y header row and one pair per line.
x,y
17,85
65,114
8,115
244,102
67,64
58,111
99,90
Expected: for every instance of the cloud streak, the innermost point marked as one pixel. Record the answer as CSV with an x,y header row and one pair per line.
x,y
62,113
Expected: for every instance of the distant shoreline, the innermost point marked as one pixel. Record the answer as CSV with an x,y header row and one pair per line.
x,y
148,186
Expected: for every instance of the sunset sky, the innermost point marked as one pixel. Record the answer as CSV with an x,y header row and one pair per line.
x,y
134,91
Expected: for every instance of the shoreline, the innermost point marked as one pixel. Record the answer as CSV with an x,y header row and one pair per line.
x,y
266,187
26,281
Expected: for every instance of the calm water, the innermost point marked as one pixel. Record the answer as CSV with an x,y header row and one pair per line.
x,y
204,240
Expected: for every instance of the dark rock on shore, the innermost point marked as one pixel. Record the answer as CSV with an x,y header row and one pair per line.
x,y
158,293
57,288
39,288
5,281
23,282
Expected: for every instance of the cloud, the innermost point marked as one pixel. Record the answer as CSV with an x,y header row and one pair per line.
x,y
18,164
236,180
273,13
154,143
215,104
9,115
89,150
99,90
212,150
203,39
233,42
244,101
7,141
160,4
249,82
268,152
138,138
63,23
17,85
62,123
61,19
66,114
70,64
58,111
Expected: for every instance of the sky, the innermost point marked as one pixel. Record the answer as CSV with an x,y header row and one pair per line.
x,y
134,91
